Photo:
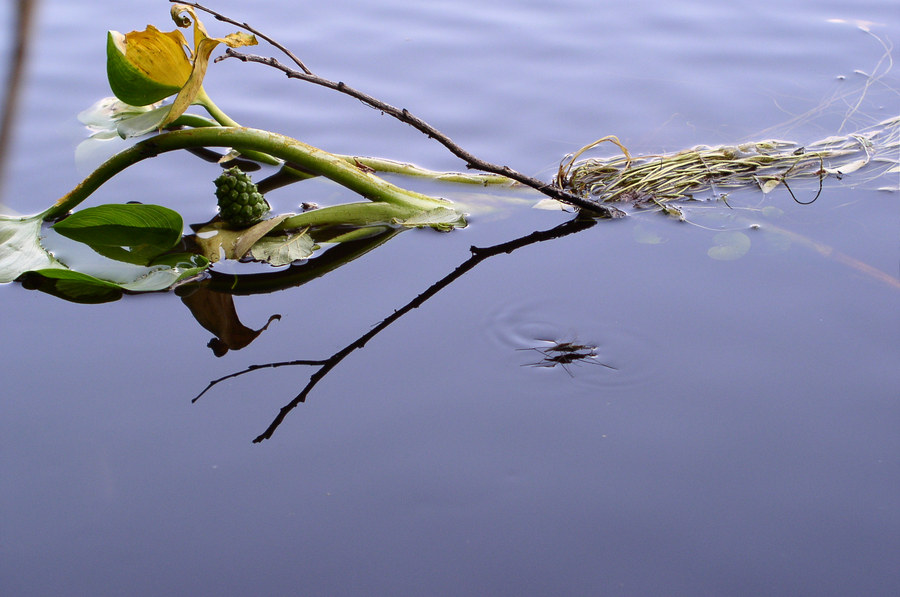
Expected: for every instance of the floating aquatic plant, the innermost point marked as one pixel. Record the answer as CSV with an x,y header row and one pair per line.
x,y
764,165
146,67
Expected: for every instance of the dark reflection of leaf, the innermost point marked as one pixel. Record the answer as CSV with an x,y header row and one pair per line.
x,y
299,273
79,287
215,311
72,286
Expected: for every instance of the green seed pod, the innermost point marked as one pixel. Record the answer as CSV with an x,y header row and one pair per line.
x,y
240,203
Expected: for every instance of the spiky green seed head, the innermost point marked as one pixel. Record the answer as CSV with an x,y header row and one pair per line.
x,y
240,203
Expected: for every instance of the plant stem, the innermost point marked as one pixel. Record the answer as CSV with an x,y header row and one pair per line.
x,y
350,214
221,117
381,165
224,119
305,156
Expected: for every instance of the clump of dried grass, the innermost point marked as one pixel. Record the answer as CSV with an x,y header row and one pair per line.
x,y
763,165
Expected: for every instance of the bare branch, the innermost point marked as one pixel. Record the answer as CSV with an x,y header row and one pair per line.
x,y
403,115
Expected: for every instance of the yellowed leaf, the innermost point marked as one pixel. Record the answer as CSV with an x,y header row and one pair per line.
x,y
144,67
767,186
194,85
217,241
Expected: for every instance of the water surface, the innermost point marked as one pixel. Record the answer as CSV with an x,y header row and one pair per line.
x,y
744,444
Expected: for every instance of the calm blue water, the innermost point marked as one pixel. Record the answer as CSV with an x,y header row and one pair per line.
x,y
745,443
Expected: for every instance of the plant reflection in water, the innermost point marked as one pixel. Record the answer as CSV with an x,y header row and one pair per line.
x,y
562,353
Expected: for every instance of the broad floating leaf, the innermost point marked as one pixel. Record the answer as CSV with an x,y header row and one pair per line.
x,y
130,233
20,248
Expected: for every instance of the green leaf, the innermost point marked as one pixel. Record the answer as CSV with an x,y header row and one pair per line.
x,y
729,246
129,233
283,250
20,247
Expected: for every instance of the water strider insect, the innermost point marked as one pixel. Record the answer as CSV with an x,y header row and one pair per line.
x,y
566,353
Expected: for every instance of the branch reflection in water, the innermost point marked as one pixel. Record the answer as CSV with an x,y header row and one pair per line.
x,y
302,273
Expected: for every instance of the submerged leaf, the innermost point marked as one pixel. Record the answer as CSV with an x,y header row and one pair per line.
x,y
141,124
106,113
646,236
729,246
439,218
284,250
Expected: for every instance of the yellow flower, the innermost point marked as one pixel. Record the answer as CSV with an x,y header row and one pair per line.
x,y
144,67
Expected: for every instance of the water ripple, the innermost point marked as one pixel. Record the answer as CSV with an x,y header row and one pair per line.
x,y
595,353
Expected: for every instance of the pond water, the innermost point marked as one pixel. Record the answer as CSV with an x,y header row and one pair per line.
x,y
741,441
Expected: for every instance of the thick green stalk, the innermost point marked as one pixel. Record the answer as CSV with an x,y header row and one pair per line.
x,y
350,214
305,156
380,165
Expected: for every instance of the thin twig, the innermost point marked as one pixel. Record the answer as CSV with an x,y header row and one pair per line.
x,y
247,27
403,115
252,368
